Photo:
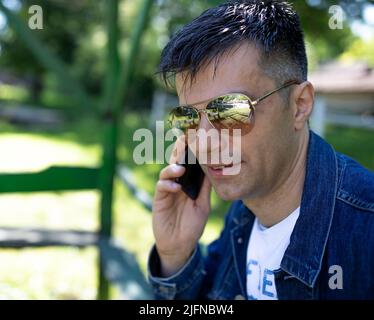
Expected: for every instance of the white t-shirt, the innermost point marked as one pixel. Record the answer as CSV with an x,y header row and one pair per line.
x,y
265,251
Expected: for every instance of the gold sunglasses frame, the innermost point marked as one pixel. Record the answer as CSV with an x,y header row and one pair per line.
x,y
252,104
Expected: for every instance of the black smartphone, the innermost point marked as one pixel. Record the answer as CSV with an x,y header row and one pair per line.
x,y
193,178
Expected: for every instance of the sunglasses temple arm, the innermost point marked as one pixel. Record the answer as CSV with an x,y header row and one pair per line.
x,y
254,103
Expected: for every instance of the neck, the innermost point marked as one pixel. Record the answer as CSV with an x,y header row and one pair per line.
x,y
285,198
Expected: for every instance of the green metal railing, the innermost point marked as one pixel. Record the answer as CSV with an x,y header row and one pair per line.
x,y
109,110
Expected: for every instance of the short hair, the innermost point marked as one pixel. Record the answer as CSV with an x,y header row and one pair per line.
x,y
273,26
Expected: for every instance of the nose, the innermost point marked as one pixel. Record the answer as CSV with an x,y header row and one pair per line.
x,y
204,122
207,142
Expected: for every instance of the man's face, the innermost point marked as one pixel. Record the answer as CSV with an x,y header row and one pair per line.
x,y
267,151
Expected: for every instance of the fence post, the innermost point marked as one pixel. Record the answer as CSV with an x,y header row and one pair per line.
x,y
318,119
110,119
116,89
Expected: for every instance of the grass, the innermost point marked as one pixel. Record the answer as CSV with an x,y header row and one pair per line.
x,y
60,273
356,143
69,273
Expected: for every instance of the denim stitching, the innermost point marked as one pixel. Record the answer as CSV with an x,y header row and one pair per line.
x,y
355,202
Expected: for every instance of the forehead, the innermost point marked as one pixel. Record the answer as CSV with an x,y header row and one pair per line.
x,y
237,70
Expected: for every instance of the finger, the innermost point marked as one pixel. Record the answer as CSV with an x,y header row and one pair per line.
x,y
167,186
172,171
177,156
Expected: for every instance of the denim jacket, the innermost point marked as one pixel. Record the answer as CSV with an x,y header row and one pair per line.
x,y
331,250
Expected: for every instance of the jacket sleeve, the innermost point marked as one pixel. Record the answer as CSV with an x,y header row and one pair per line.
x,y
195,278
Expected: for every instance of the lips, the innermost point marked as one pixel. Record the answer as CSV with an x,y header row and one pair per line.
x,y
220,167
221,170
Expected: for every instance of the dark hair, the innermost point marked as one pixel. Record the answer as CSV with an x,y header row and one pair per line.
x,y
273,26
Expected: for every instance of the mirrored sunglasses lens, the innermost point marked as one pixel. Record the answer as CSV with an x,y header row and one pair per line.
x,y
184,118
230,111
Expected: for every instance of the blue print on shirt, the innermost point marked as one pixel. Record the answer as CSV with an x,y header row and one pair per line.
x,y
266,283
251,261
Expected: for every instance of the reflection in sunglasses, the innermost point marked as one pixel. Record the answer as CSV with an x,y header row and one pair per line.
x,y
224,112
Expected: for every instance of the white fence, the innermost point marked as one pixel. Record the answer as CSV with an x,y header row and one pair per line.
x,y
322,116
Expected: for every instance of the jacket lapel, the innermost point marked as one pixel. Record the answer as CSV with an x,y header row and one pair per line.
x,y
303,257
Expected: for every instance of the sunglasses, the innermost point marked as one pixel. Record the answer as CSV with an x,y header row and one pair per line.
x,y
229,111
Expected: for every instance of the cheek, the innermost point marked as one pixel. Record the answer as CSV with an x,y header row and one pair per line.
x,y
253,156
273,126
265,146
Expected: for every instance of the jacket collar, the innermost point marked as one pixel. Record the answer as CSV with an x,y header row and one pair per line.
x,y
303,257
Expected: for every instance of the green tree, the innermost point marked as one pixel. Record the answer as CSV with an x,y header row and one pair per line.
x,y
75,31
362,50
65,26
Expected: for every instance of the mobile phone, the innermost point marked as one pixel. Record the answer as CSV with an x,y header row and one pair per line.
x,y
193,178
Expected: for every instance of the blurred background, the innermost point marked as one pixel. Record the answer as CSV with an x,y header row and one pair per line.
x,y
76,85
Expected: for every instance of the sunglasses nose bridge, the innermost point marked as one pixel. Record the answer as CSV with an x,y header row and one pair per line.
x,y
209,124
203,114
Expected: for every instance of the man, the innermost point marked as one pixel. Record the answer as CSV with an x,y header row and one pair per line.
x,y
301,225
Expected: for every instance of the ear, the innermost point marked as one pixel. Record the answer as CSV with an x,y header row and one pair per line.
x,y
302,104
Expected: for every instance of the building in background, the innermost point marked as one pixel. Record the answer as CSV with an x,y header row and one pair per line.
x,y
344,95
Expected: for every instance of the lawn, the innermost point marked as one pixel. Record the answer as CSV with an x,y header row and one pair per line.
x,y
69,273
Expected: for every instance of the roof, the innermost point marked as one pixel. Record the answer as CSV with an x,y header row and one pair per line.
x,y
341,78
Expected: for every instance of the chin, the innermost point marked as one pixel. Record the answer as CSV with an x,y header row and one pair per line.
x,y
228,193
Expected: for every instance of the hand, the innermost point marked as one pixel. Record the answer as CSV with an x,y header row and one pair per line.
x,y
178,221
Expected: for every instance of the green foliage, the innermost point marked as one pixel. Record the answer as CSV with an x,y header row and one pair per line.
x,y
76,31
360,49
65,22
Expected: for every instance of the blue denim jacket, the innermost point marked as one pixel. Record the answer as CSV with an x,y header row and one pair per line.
x,y
335,230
